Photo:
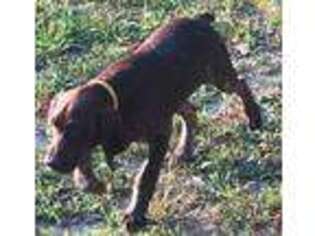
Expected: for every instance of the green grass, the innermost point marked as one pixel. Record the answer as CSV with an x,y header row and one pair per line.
x,y
234,184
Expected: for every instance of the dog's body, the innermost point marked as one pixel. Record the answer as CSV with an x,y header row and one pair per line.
x,y
151,84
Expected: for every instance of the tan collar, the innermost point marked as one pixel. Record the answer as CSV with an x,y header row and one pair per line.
x,y
110,90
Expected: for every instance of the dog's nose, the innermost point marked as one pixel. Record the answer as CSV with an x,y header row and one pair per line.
x,y
52,162
58,165
48,160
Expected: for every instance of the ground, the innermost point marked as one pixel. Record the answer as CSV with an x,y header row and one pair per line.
x,y
234,185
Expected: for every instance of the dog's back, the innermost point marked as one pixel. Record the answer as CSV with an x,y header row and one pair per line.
x,y
168,67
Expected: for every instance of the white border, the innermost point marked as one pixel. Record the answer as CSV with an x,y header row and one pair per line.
x,y
299,118
17,118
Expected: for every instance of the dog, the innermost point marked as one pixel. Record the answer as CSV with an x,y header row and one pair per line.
x,y
135,99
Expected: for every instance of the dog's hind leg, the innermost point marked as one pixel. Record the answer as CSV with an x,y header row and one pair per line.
x,y
146,180
252,109
226,80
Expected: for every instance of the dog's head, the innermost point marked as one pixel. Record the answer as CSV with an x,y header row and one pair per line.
x,y
76,121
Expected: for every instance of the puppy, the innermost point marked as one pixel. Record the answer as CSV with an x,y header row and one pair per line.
x,y
135,99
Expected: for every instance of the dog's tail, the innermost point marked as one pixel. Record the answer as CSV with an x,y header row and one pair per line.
x,y
179,149
208,17
182,139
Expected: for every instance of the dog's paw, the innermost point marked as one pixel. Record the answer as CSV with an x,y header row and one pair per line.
x,y
255,118
94,187
97,187
88,183
256,123
134,222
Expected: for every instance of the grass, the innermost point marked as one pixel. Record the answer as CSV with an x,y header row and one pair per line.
x,y
233,186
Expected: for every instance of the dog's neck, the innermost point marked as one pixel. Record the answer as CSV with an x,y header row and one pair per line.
x,y
122,76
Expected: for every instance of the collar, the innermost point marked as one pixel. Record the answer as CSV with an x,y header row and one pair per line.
x,y
109,88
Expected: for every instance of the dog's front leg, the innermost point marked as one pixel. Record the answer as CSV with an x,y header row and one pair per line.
x,y
112,146
85,179
145,182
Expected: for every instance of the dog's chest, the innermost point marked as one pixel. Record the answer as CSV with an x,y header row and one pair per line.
x,y
142,125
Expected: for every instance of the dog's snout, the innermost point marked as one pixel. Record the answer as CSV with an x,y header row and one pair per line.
x,y
50,161
47,159
57,164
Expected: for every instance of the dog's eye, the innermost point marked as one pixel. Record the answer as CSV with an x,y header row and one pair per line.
x,y
71,130
71,125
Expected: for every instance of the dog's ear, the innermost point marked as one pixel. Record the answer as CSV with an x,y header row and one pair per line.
x,y
56,109
59,105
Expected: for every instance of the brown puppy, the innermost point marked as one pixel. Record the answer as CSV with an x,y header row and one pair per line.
x,y
151,85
